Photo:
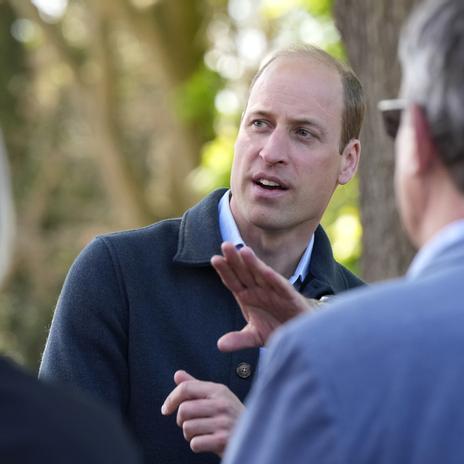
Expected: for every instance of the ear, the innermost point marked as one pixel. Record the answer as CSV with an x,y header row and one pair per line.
x,y
424,154
350,160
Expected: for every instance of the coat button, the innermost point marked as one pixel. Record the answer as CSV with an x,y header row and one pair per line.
x,y
243,370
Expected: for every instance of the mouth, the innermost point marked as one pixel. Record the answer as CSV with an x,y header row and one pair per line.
x,y
269,184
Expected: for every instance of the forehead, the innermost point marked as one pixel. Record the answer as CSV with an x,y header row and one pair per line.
x,y
298,85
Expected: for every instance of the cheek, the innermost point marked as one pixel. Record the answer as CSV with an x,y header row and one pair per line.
x,y
323,170
319,178
234,172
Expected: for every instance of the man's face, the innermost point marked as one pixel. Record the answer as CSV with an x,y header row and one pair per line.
x,y
287,162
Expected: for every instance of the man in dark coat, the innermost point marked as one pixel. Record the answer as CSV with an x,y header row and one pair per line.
x,y
141,307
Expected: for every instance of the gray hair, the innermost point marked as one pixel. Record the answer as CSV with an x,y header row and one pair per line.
x,y
6,213
432,59
354,104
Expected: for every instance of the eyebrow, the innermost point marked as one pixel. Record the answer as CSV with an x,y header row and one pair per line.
x,y
294,121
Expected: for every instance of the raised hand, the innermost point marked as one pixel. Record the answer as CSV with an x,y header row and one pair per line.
x,y
206,412
267,299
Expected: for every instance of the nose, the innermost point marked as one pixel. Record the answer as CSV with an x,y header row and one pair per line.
x,y
275,147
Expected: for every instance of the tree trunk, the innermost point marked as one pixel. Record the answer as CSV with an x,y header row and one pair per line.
x,y
370,32
174,57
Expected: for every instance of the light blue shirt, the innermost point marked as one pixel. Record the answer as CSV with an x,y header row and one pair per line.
x,y
230,233
451,233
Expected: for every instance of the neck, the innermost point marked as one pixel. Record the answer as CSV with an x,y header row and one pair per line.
x,y
281,250
445,205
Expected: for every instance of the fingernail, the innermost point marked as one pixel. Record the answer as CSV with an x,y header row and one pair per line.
x,y
163,409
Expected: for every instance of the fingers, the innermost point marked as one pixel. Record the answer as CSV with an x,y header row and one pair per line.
x,y
208,424
242,269
182,376
195,427
187,388
233,271
257,268
207,435
227,274
264,275
235,261
194,409
206,412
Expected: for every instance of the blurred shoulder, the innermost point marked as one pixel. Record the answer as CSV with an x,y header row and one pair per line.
x,y
49,423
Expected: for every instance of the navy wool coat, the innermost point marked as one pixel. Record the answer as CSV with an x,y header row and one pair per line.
x,y
139,305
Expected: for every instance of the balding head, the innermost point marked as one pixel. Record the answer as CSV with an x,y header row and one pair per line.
x,y
353,96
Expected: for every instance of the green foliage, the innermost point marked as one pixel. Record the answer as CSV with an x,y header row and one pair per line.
x,y
216,160
318,7
343,225
276,8
195,100
337,50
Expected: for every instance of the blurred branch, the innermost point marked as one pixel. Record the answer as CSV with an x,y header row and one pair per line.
x,y
98,100
27,10
143,28
126,192
156,29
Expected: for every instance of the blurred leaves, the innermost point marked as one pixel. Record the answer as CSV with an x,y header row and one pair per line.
x,y
319,7
195,100
214,170
343,225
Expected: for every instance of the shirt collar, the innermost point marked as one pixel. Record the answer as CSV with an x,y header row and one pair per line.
x,y
227,225
230,233
451,233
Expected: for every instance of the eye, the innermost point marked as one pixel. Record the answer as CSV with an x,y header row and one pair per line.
x,y
304,133
259,123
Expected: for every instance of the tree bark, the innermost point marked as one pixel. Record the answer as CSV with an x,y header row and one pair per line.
x,y
370,32
173,34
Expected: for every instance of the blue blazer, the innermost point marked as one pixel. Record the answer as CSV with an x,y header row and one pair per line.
x,y
376,378
139,305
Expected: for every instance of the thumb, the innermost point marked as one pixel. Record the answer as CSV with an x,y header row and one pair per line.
x,y
182,376
234,341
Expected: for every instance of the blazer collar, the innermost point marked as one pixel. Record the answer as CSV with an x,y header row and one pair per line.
x,y
199,234
323,275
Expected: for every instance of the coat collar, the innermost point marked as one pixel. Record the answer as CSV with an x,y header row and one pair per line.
x,y
200,239
323,274
199,234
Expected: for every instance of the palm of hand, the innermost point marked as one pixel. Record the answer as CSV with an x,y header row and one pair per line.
x,y
266,299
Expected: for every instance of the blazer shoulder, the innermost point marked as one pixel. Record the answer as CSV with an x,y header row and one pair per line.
x,y
165,227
